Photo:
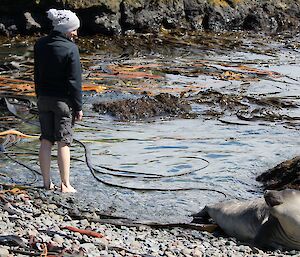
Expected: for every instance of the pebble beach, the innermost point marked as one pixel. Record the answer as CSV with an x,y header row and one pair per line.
x,y
35,222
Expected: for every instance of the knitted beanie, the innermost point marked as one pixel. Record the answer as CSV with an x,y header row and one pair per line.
x,y
63,20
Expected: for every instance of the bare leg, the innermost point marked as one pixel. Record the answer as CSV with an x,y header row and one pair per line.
x,y
63,159
45,162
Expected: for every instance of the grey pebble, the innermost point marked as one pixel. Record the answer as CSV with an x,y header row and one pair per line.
x,y
4,252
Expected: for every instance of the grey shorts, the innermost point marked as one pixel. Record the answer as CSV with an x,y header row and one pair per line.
x,y
55,117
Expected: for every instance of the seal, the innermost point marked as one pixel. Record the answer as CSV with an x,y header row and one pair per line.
x,y
272,222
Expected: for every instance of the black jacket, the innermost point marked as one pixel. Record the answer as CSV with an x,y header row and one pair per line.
x,y
57,69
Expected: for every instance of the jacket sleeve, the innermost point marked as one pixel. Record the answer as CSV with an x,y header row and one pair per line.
x,y
74,79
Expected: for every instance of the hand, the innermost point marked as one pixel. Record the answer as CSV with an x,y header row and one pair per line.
x,y
78,116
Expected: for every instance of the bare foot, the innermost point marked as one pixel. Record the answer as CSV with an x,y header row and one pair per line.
x,y
67,189
50,186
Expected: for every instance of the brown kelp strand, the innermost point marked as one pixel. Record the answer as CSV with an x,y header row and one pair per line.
x,y
245,107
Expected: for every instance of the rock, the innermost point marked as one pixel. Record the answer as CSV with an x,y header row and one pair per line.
x,y
67,218
47,222
3,252
30,24
12,210
104,253
85,238
196,253
3,30
78,235
293,253
84,223
283,175
100,241
169,254
89,247
186,252
52,207
45,238
135,245
3,226
58,239
108,24
32,232
54,216
148,16
68,243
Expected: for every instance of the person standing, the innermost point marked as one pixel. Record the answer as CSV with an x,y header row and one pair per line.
x,y
58,87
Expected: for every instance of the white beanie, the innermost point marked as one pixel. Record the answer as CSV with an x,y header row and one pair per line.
x,y
63,20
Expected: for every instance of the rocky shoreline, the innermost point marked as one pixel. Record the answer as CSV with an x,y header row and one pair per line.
x,y
143,16
35,222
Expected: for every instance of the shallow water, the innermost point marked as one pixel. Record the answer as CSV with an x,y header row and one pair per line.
x,y
216,155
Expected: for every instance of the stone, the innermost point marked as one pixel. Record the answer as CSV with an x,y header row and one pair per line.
x,y
3,226
47,222
283,175
78,235
169,254
85,238
196,253
108,24
84,223
186,252
4,252
32,232
136,245
89,247
31,24
101,241
58,239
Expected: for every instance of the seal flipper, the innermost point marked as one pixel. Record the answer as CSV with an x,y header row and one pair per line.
x,y
265,236
201,217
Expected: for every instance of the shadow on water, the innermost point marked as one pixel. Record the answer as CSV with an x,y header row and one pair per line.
x,y
231,140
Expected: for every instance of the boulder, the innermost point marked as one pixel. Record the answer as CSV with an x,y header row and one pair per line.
x,y
282,176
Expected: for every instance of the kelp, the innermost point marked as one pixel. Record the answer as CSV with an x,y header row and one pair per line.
x,y
9,86
144,107
245,107
19,87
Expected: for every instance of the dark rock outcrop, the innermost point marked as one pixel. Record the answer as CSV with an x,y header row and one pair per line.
x,y
118,16
152,15
284,175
